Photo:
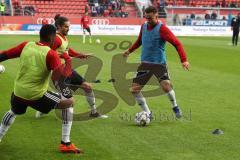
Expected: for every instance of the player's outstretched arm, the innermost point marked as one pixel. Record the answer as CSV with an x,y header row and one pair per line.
x,y
84,56
135,46
3,57
75,54
12,52
168,36
126,54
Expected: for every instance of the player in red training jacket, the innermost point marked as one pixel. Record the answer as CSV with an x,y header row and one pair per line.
x,y
85,26
153,37
37,61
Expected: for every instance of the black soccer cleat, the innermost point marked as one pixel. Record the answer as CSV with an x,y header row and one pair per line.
x,y
151,116
97,81
111,80
97,115
177,112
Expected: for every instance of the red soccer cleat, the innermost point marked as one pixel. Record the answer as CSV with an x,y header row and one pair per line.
x,y
71,148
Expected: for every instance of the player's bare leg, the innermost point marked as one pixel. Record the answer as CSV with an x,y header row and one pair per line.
x,y
167,88
136,91
90,97
39,114
84,36
90,37
7,121
66,146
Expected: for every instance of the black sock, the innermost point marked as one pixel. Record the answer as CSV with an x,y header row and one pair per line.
x,y
66,143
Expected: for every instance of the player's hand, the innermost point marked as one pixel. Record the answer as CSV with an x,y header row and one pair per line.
x,y
84,56
186,65
126,54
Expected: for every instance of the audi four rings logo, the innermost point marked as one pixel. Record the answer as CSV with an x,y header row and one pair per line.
x,y
50,20
100,21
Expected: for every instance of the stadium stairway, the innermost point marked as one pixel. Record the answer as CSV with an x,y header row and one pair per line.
x,y
130,8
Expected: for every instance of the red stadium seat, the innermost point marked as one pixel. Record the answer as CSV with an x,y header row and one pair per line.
x,y
66,7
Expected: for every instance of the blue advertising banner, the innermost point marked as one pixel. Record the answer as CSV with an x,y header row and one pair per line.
x,y
31,27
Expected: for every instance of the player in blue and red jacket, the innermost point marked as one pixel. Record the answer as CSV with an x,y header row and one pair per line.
x,y
153,37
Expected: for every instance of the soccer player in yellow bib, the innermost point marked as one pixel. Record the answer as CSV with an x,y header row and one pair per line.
x,y
61,46
75,80
37,61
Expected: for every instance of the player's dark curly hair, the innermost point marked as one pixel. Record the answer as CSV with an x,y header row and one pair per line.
x,y
151,9
60,20
46,32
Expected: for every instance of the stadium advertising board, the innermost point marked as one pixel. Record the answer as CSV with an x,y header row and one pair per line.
x,y
122,30
10,27
209,22
201,31
107,29
75,20
122,26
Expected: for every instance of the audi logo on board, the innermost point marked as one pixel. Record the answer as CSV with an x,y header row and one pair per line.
x,y
100,21
50,20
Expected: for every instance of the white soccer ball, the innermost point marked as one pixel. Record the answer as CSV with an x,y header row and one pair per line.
x,y
2,68
142,118
98,41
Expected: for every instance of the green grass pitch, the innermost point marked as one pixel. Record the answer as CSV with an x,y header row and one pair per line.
x,y
208,95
